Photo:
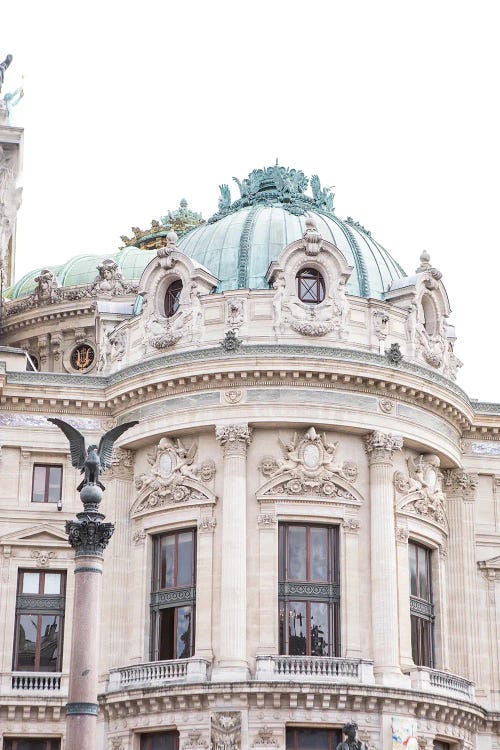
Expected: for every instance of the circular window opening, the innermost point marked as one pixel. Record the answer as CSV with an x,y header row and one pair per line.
x,y
173,298
310,286
82,357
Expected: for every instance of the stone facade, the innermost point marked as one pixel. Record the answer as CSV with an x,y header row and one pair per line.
x,y
306,422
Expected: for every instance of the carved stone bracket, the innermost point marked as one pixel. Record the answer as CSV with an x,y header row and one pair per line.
x,y
207,525
266,520
402,534
139,537
351,525
380,446
265,738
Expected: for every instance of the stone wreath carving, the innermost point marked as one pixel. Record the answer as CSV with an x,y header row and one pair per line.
x,y
422,487
308,467
318,320
174,476
165,332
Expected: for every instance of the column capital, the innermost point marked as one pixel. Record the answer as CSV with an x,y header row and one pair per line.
x,y
380,446
459,483
234,438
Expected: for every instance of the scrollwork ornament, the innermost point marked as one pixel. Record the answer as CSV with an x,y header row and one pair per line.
x,y
351,525
139,537
402,534
386,405
42,557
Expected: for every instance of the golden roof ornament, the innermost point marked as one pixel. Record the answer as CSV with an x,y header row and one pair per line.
x,y
180,221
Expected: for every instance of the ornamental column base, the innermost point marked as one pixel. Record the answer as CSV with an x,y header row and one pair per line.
x,y
231,671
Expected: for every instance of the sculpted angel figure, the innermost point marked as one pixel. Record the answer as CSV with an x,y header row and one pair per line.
x,y
291,457
92,460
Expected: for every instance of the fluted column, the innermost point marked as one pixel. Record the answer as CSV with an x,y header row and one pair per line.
x,y
462,573
232,662
380,447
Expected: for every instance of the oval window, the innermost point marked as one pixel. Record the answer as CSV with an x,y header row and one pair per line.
x,y
310,286
173,298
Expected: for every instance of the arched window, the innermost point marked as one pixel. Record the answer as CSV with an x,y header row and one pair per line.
x,y
310,286
430,318
173,298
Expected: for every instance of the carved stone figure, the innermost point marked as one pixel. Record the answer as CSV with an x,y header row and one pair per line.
x,y
93,460
235,312
340,310
425,480
109,280
322,197
165,253
268,466
45,291
312,237
351,743
3,67
225,198
279,305
196,311
411,323
380,324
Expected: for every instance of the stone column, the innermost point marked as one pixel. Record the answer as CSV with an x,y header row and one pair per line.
x,y
232,663
89,537
462,579
380,447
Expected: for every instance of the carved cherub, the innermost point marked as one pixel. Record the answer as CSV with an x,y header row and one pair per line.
x,y
291,458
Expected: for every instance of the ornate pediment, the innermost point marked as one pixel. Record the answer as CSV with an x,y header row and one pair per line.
x,y
308,469
421,490
41,535
174,478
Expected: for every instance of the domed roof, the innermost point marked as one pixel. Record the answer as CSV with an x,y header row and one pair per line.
x,y
239,242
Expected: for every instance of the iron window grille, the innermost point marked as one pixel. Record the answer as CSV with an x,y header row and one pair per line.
x,y
310,286
173,298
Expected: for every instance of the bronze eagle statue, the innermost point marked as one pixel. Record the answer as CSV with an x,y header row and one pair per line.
x,y
93,460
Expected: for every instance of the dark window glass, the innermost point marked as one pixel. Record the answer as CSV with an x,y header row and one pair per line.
x,y
173,298
25,743
312,739
308,616
174,572
47,483
421,605
39,622
310,286
160,741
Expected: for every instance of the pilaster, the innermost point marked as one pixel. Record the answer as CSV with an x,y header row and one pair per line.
x,y
204,585
405,651
380,447
268,580
460,492
232,662
351,588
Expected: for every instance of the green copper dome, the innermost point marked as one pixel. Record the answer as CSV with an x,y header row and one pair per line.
x,y
239,242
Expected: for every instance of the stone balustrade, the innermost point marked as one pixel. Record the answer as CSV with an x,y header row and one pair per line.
x,y
314,669
47,682
157,673
434,681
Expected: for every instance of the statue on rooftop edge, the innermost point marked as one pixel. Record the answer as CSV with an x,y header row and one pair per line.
x,y
92,460
3,67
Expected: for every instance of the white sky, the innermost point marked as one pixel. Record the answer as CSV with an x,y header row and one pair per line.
x,y
131,106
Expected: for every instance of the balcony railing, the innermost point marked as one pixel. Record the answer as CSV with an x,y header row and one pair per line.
x,y
158,673
46,682
434,681
314,669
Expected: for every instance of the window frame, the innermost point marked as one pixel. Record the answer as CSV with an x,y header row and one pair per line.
x,y
51,743
171,597
318,286
422,611
292,738
172,298
47,468
146,738
49,605
291,590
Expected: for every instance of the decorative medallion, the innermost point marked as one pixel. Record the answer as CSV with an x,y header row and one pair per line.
x,y
82,357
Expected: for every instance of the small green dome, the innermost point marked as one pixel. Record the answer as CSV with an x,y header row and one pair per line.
x,y
82,269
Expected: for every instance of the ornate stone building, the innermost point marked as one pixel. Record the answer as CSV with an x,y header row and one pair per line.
x,y
307,514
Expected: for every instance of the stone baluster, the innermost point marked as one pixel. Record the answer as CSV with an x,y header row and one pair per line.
x,y
462,573
232,662
380,447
